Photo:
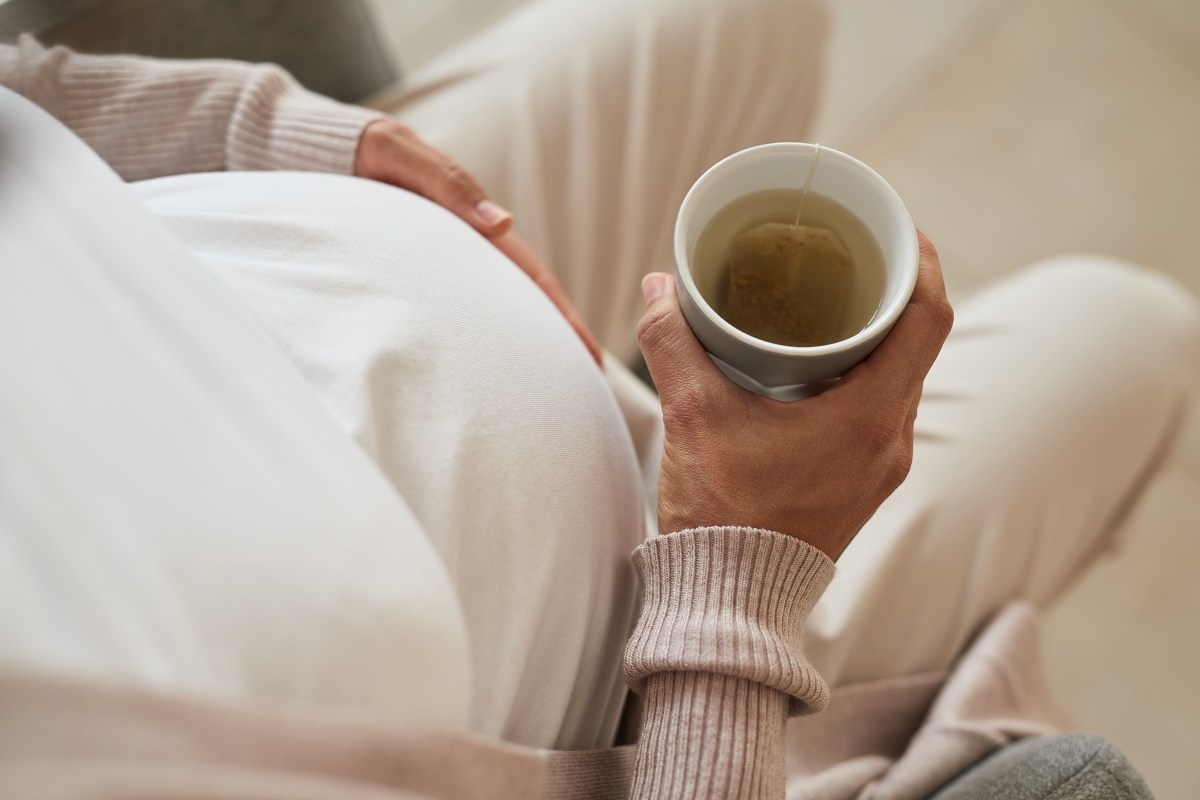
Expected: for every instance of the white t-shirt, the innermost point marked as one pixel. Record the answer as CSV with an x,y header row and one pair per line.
x,y
483,409
178,511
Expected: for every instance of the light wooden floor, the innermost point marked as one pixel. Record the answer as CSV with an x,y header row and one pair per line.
x,y
1017,129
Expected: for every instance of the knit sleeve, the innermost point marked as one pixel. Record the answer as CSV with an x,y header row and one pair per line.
x,y
150,117
717,656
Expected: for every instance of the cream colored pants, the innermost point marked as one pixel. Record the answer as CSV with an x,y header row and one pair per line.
x,y
1055,400
590,120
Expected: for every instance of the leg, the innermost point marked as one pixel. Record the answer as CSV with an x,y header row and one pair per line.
x,y
1056,398
591,120
177,511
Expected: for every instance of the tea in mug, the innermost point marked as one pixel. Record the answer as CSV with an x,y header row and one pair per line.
x,y
790,267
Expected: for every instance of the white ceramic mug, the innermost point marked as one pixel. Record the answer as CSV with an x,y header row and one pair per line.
x,y
782,371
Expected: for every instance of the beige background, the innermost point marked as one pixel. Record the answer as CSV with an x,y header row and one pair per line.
x,y
1016,129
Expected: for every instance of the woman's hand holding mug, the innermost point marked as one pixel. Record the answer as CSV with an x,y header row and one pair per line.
x,y
816,468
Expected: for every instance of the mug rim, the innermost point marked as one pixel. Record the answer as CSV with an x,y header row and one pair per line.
x,y
882,320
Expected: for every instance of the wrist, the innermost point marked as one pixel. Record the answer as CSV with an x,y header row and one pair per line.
x,y
730,601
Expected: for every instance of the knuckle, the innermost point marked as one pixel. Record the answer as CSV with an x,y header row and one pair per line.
x,y
398,137
943,317
881,431
684,409
400,130
458,178
938,317
684,400
900,467
654,327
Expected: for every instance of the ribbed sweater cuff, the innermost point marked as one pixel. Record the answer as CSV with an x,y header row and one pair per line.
x,y
278,125
730,601
732,728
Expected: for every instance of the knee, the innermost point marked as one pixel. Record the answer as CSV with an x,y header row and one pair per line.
x,y
1135,301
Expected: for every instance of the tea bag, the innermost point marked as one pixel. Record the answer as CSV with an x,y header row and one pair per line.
x,y
789,284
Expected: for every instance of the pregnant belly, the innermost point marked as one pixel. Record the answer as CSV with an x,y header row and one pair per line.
x,y
477,401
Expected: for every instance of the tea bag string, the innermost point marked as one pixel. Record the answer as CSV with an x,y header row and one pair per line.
x,y
812,168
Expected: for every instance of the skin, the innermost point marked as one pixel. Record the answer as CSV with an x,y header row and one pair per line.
x,y
816,469
392,153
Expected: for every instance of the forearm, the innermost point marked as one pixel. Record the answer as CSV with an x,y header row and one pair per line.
x,y
717,656
152,117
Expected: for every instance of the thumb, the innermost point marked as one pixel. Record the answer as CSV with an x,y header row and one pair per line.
x,y
675,358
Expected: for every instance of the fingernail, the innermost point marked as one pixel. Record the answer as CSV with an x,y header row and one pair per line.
x,y
653,286
490,213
